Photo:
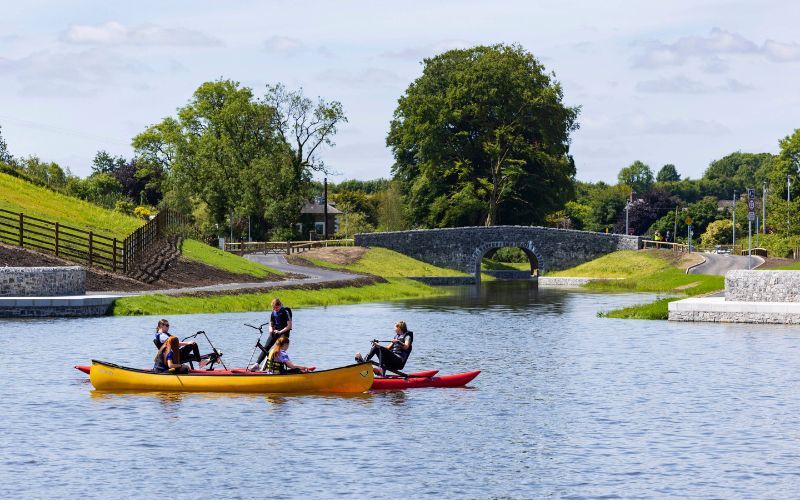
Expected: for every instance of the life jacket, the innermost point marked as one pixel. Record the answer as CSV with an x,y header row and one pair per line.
x,y
275,366
274,317
157,339
159,363
399,350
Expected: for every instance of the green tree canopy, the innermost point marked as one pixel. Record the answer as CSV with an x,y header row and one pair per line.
x,y
668,173
737,171
636,176
5,156
482,137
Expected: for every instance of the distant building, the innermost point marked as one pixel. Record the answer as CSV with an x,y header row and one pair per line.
x,y
312,219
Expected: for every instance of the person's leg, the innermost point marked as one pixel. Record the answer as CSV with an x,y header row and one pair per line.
x,y
375,351
270,341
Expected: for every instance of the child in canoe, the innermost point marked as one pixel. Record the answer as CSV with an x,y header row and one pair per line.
x,y
278,361
168,358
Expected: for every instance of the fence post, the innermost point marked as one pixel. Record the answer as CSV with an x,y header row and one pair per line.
x,y
91,247
114,256
57,233
20,230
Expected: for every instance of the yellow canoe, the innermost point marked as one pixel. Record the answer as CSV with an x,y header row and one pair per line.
x,y
347,379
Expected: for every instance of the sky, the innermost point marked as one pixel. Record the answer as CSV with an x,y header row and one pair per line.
x,y
681,82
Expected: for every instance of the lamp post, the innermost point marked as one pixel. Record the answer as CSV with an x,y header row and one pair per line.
x,y
764,208
734,220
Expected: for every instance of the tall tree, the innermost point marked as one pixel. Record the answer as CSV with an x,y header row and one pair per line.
x,y
668,173
223,149
483,137
304,125
636,176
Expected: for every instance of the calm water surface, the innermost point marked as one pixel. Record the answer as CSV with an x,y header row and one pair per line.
x,y
568,404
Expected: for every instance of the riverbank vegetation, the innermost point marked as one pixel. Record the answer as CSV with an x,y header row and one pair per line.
x,y
659,271
376,261
392,289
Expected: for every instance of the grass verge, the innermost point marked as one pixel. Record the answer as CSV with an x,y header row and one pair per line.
x,y
214,257
392,289
387,263
645,271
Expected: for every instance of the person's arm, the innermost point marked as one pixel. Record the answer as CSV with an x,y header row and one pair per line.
x,y
286,328
172,365
300,367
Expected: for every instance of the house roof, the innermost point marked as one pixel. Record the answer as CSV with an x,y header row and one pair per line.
x,y
319,208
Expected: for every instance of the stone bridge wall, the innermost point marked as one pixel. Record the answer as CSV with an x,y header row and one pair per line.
x,y
42,281
462,248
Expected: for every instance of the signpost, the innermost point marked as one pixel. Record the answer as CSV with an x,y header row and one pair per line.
x,y
751,216
688,222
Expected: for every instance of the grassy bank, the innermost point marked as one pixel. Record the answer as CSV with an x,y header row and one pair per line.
x,y
393,289
381,262
30,199
645,271
214,257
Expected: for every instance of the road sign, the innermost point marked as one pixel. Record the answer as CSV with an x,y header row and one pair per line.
x,y
688,220
751,194
751,216
751,205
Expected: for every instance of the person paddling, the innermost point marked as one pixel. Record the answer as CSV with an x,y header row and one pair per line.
x,y
189,351
168,358
278,361
280,324
394,356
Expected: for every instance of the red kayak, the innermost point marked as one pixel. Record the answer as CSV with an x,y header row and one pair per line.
x,y
414,381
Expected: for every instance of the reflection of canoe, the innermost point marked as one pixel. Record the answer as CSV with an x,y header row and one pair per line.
x,y
456,380
111,377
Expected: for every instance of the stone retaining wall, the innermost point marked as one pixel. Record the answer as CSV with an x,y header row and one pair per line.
x,y
42,281
553,281
445,280
509,274
762,286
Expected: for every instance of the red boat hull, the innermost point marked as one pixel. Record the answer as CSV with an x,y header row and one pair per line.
x,y
455,380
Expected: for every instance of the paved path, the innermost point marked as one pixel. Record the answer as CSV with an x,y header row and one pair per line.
x,y
309,275
720,264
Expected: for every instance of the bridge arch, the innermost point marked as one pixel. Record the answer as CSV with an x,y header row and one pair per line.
x,y
526,246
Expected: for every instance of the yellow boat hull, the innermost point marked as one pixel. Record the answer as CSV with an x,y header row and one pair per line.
x,y
347,379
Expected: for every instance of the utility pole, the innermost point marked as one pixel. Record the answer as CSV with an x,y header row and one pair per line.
x,y
675,228
325,210
627,232
788,200
764,208
734,220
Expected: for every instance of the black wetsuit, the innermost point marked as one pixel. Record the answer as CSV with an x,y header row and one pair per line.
x,y
393,358
278,320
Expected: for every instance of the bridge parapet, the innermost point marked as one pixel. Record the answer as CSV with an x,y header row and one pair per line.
x,y
462,248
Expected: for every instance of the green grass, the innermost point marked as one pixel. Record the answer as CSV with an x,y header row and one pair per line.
x,y
214,257
644,271
395,289
493,265
622,264
389,264
30,199
786,267
21,196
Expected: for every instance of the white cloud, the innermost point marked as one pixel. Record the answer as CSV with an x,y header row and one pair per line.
x,y
709,49
684,127
367,76
420,52
284,45
69,74
114,33
683,85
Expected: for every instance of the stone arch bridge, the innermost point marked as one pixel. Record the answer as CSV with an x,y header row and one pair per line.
x,y
463,248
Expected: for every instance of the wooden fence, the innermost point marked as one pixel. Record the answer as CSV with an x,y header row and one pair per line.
x,y
283,247
138,244
61,240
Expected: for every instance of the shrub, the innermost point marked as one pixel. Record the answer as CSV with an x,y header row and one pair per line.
x,y
142,212
124,206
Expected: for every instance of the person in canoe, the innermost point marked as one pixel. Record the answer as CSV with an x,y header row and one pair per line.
x,y
188,350
278,361
394,356
280,324
168,358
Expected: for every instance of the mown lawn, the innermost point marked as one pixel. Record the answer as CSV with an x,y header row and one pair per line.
x,y
388,264
394,289
214,257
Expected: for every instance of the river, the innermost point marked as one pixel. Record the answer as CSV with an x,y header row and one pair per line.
x,y
568,404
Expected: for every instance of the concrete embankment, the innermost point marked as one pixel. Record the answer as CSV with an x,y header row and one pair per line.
x,y
750,297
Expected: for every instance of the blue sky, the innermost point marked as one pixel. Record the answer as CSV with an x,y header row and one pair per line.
x,y
682,82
